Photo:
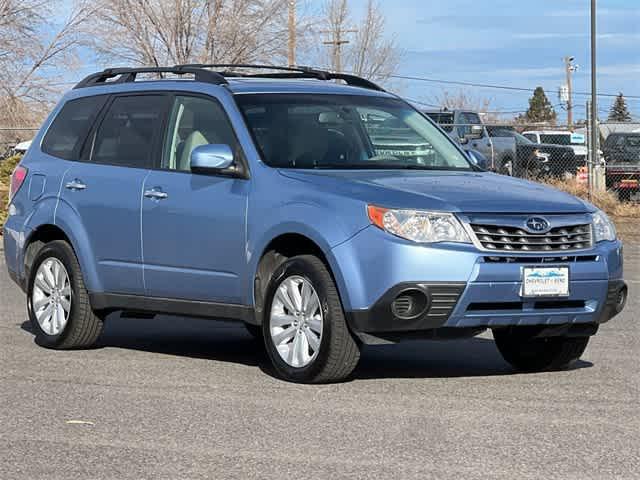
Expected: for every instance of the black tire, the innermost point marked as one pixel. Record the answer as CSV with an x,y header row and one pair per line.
x,y
83,326
254,330
338,353
529,354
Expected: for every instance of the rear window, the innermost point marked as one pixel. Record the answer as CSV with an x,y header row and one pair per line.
x,y
633,141
556,138
66,134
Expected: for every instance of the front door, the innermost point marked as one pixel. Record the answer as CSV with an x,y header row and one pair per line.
x,y
193,225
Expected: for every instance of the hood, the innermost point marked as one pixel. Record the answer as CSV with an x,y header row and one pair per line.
x,y
465,192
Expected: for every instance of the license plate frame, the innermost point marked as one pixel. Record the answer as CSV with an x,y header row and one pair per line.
x,y
547,281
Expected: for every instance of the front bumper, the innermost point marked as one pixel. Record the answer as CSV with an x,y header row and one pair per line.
x,y
468,288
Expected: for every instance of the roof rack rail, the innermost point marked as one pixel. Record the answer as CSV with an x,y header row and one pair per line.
x,y
286,72
203,73
129,75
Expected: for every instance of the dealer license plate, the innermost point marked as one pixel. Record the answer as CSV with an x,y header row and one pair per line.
x,y
545,282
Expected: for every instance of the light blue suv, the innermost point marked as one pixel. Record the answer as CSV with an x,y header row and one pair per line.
x,y
323,215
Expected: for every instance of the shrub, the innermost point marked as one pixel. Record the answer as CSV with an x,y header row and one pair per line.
x,y
6,167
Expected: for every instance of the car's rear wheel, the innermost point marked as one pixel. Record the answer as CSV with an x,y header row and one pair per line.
x,y
58,302
304,327
529,354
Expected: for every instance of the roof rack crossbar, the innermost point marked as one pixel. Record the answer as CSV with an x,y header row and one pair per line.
x,y
129,75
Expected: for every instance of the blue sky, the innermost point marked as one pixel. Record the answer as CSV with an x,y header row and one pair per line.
x,y
516,42
512,42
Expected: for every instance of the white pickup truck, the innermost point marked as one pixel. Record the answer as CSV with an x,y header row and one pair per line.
x,y
576,141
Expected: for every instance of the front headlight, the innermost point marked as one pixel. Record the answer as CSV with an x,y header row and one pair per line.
x,y
419,226
603,228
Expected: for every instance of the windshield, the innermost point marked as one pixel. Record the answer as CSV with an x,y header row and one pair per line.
x,y
556,138
344,131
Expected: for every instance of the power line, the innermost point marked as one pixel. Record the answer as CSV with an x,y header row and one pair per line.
x,y
495,86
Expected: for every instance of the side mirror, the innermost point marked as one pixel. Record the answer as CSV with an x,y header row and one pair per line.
x,y
477,131
478,159
211,159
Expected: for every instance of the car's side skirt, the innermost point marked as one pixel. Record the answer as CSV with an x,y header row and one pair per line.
x,y
171,306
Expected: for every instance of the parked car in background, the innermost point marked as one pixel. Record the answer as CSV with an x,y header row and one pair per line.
x,y
536,160
576,141
621,153
467,128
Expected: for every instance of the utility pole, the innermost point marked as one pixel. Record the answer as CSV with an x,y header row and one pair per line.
x,y
337,42
292,32
593,157
569,69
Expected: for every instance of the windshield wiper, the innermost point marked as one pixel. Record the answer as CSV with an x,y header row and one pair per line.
x,y
369,165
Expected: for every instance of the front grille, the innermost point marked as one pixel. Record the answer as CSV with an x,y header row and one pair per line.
x,y
514,239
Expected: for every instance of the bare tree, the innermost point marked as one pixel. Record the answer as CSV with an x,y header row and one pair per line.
x,y
364,46
166,32
462,100
373,55
36,52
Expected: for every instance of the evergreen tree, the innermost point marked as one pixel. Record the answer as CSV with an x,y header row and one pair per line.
x,y
619,111
540,109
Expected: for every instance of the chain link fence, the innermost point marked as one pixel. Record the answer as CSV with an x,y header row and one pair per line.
x,y
559,154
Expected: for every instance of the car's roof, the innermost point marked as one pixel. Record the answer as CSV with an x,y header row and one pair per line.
x,y
268,85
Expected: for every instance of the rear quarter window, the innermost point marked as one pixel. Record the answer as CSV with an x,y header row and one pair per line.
x,y
67,132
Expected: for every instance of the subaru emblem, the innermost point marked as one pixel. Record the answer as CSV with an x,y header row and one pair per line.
x,y
537,224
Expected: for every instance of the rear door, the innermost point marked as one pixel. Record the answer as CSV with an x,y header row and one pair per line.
x,y
105,189
194,225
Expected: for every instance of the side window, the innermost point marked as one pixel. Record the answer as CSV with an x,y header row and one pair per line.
x,y
531,136
127,133
195,121
67,133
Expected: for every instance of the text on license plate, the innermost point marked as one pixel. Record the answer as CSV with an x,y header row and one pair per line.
x,y
545,281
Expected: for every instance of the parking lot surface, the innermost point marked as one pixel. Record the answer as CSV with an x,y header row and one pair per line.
x,y
184,398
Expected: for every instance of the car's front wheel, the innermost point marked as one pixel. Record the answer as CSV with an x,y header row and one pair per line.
x,y
304,327
58,302
530,354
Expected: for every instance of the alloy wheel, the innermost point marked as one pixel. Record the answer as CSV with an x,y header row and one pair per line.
x,y
51,296
296,321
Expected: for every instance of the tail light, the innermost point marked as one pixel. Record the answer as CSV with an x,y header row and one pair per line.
x,y
17,179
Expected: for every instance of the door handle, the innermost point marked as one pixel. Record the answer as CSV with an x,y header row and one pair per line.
x,y
75,184
156,194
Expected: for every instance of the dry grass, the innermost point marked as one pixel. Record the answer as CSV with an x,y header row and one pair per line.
x,y
624,214
606,201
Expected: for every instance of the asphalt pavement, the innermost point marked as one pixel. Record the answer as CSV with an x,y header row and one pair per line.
x,y
182,398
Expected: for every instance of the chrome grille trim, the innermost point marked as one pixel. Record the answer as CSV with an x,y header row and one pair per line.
x,y
500,238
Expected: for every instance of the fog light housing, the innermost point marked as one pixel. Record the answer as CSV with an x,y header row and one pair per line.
x,y
410,304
